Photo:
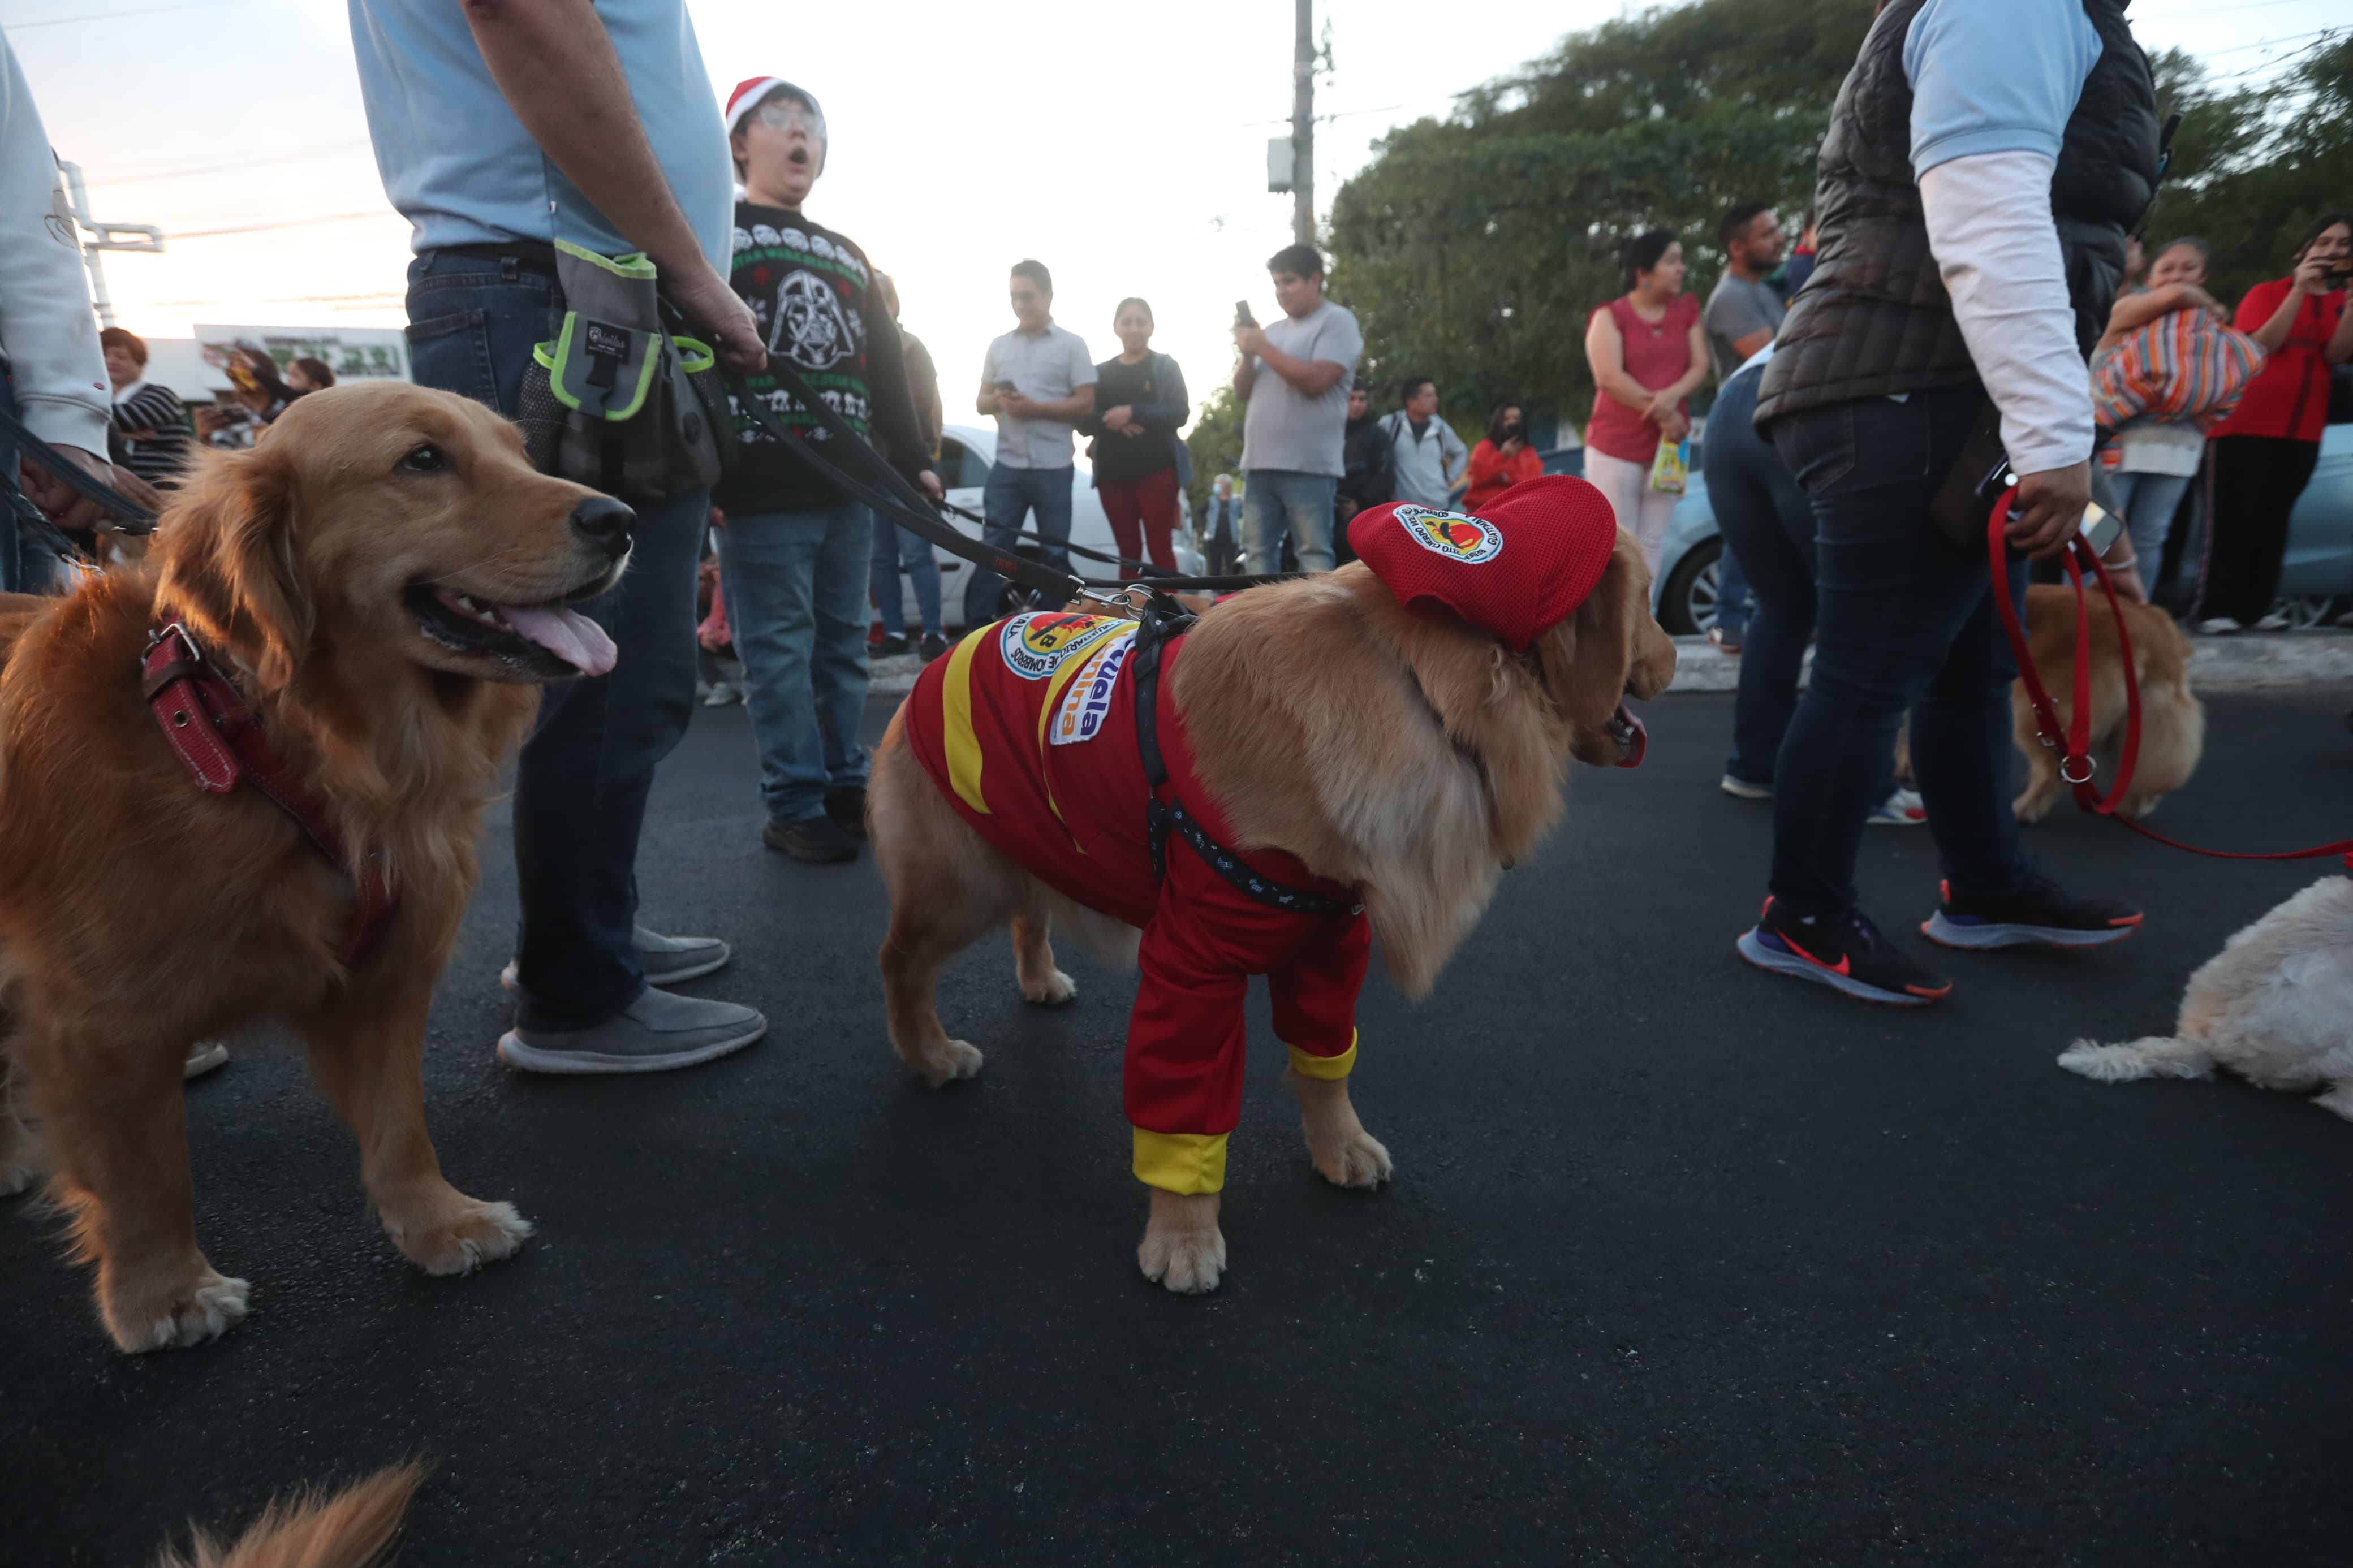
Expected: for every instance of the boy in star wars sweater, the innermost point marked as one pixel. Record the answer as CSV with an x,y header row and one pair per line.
x,y
794,552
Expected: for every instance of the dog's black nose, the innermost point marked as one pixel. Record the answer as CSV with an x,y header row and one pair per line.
x,y
606,520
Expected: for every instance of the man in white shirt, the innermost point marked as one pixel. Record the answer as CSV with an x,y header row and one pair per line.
x,y
1431,456
1295,376
1038,381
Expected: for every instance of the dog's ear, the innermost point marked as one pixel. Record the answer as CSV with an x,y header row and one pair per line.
x,y
1585,658
227,545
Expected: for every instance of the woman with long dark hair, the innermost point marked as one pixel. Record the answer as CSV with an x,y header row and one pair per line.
x,y
2263,454
1503,457
1648,351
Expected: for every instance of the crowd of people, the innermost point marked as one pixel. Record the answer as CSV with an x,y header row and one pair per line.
x,y
1813,459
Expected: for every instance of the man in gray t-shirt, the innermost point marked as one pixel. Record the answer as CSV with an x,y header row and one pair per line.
x,y
1294,378
1744,312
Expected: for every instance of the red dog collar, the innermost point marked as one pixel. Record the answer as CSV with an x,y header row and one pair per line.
x,y
218,737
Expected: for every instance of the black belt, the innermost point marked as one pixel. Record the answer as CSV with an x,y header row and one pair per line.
x,y
1162,621
532,256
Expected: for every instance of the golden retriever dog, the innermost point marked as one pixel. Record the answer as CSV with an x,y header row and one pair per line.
x,y
2172,721
1407,756
384,579
356,1527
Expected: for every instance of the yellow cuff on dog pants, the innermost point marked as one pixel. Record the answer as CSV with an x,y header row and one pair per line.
x,y
1325,1067
1186,1162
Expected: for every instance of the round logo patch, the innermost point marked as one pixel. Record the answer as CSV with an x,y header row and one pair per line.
x,y
1457,536
1034,645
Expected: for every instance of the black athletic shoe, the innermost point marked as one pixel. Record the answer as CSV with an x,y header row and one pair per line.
x,y
846,805
1844,952
816,839
888,647
2039,912
933,645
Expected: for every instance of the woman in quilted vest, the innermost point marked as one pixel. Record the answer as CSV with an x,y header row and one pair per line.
x,y
2265,451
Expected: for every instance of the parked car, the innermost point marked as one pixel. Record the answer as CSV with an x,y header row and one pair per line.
x,y
2316,581
966,453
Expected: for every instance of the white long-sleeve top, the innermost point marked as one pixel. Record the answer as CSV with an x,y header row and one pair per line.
x,y
1990,231
48,333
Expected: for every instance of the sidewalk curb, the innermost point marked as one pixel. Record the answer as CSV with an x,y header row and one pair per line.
x,y
2248,662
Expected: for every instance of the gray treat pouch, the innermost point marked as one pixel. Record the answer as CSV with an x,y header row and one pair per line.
x,y
611,403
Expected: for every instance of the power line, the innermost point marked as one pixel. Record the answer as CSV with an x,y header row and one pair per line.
x,y
2214,11
151,174
290,222
110,16
2321,33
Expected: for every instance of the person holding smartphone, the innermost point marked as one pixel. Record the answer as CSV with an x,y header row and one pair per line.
x,y
1293,379
1038,383
2265,451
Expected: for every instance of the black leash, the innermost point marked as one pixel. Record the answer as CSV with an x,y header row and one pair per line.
x,y
891,494
136,519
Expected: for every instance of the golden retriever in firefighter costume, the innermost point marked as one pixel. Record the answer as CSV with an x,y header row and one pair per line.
x,y
1312,764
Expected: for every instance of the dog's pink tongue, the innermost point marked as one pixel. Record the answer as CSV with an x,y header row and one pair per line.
x,y
567,633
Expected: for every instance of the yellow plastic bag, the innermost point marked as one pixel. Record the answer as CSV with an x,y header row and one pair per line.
x,y
1669,468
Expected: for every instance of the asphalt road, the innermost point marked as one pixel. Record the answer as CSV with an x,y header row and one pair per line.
x,y
1683,1263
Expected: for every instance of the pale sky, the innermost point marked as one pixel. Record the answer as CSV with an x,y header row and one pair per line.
x,y
1121,145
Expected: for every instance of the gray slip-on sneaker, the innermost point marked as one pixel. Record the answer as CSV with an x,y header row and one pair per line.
x,y
653,1034
203,1057
667,959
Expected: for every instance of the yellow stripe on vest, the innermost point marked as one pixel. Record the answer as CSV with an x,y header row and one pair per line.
x,y
955,722
1184,1163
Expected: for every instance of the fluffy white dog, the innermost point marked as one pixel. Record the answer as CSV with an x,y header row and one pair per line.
x,y
2275,1006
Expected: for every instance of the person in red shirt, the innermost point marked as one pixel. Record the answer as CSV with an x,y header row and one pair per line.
x,y
1502,459
2265,452
1648,352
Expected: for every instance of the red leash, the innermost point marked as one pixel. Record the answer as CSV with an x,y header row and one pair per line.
x,y
2074,742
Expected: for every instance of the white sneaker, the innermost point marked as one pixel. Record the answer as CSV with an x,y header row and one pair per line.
x,y
2217,626
1902,809
203,1057
2274,622
721,695
1743,789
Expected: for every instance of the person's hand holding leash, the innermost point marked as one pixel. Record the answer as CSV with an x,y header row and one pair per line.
x,y
725,320
2049,510
929,483
68,507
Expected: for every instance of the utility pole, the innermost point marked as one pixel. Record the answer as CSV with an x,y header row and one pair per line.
x,y
1302,126
105,237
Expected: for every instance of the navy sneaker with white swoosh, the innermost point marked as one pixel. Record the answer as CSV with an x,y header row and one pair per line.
x,y
1844,951
2039,912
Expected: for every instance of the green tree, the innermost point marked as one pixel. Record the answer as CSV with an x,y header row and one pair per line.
x,y
1215,443
1473,249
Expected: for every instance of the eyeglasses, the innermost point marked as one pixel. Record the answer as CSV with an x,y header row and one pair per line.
x,y
791,114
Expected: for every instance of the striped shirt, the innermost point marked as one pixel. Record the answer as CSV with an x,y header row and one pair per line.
x,y
153,426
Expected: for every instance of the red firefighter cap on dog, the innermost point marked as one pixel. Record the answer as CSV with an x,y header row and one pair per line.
x,y
1524,563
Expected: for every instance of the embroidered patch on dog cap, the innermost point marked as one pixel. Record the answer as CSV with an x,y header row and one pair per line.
x,y
1521,565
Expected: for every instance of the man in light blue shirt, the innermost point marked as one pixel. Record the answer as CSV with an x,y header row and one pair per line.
x,y
1039,381
501,128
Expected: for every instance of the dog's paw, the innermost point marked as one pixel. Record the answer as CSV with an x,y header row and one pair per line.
x,y
952,1060
209,1308
1182,1248
2339,1100
1051,992
478,1233
1356,1159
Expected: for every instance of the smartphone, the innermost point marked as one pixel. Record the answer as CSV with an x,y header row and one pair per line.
x,y
1242,317
1007,386
2101,527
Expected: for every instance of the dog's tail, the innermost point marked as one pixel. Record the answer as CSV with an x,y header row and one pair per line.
x,y
2153,1055
354,1527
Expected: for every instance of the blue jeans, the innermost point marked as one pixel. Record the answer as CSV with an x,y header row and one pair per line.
x,y
1735,601
585,770
1768,520
28,565
796,585
893,547
1904,619
1276,501
2147,502
1011,496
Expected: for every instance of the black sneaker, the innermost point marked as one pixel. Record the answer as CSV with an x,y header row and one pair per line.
x,y
846,805
2039,912
934,646
816,839
889,646
1844,951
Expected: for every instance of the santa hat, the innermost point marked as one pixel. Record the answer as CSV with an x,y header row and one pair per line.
x,y
1522,566
754,91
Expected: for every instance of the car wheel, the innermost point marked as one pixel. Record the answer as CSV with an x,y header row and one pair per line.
x,y
1687,608
2306,613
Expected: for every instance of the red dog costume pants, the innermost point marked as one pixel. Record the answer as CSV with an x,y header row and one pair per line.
x,y
1028,728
